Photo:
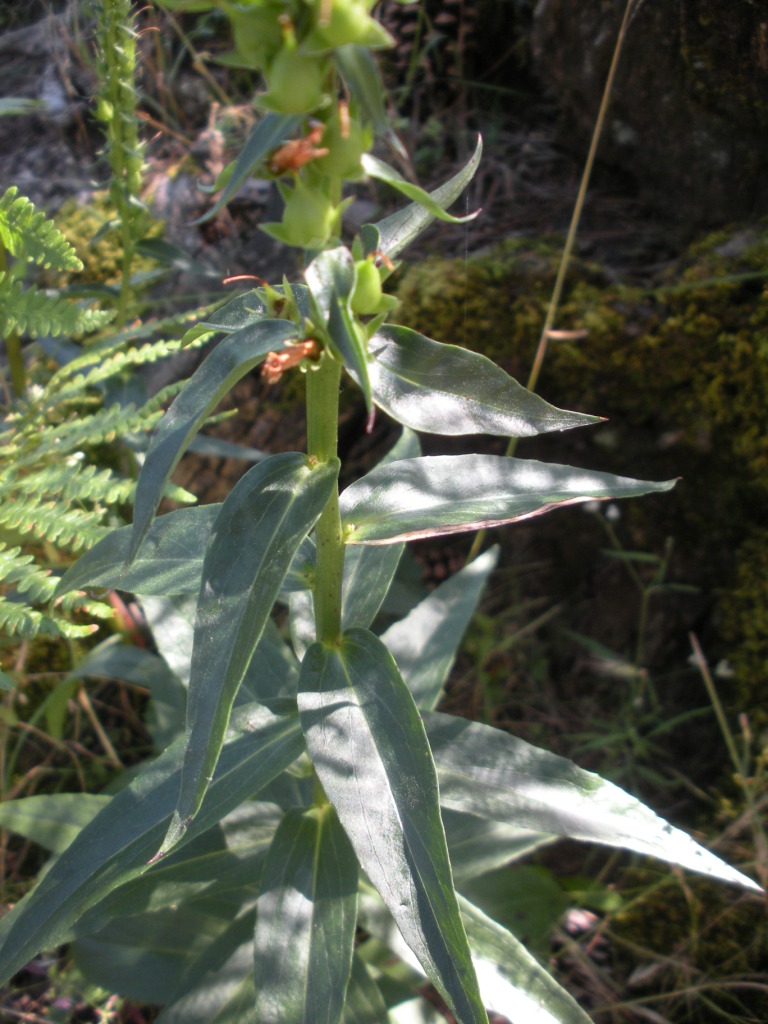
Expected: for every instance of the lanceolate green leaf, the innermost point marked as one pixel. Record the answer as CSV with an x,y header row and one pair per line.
x,y
170,560
256,534
425,642
331,281
218,987
478,845
226,861
144,956
52,820
301,620
242,311
444,389
272,672
368,573
369,570
271,131
399,229
512,982
445,494
113,659
226,364
364,1003
118,843
376,168
487,772
301,574
172,622
361,73
368,747
309,891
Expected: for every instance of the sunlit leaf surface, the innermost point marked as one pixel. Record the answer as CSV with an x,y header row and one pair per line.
x,y
487,772
309,892
399,229
513,982
117,844
445,494
366,741
235,356
170,560
445,389
425,642
255,536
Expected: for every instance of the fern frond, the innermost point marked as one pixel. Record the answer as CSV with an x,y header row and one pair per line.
x,y
72,630
16,568
30,236
117,107
87,369
107,424
20,619
77,601
34,586
101,427
30,440
30,311
160,400
78,483
119,361
72,529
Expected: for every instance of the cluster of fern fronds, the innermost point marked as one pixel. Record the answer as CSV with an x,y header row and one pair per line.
x,y
59,490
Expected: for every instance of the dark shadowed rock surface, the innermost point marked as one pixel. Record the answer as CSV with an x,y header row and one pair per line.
x,y
689,116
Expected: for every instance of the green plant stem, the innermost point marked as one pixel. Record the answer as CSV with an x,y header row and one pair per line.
x,y
322,444
16,364
124,150
13,343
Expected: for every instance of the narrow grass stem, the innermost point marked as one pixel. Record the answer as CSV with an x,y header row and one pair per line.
x,y
722,721
578,207
740,763
322,444
565,259
198,62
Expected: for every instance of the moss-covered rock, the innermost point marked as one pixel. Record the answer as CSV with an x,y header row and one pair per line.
x,y
680,370
744,618
491,303
85,226
671,940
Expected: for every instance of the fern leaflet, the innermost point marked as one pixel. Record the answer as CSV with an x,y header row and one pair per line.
x,y
30,311
15,568
71,529
24,622
74,482
28,235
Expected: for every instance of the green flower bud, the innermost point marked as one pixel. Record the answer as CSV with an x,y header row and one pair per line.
x,y
295,82
348,22
308,217
345,150
256,32
367,293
